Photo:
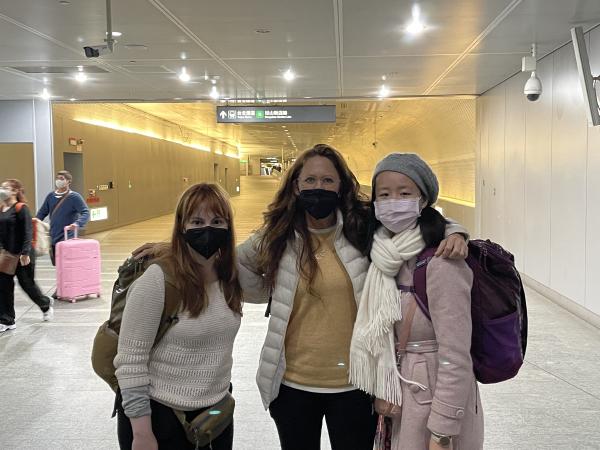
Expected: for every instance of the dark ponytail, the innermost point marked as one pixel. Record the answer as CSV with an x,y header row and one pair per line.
x,y
433,226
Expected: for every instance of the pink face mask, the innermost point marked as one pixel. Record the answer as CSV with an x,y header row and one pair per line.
x,y
398,215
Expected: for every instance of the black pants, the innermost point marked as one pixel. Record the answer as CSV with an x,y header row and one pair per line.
x,y
26,277
52,254
168,430
298,415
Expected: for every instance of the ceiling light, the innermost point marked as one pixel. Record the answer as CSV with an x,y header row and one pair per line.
x,y
384,91
45,80
184,76
289,75
72,99
64,3
213,81
115,34
45,94
383,78
81,77
183,55
214,94
415,26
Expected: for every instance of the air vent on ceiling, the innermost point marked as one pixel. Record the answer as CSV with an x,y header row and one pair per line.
x,y
59,69
139,68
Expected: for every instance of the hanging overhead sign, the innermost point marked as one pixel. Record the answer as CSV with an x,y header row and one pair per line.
x,y
275,114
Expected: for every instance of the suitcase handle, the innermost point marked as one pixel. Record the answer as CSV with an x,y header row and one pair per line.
x,y
67,233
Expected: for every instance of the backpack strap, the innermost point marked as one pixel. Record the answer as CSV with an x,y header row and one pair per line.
x,y
172,302
419,289
406,327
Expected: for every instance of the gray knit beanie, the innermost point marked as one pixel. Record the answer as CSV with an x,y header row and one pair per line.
x,y
411,165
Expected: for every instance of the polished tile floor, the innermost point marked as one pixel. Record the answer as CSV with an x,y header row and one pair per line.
x,y
51,399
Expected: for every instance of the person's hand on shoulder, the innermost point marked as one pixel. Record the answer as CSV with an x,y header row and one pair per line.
x,y
453,247
146,250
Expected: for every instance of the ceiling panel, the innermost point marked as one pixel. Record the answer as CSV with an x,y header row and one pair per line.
x,y
302,36
451,26
406,75
478,73
267,77
297,28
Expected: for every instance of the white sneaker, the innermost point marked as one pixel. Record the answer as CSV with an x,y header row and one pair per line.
x,y
4,328
49,315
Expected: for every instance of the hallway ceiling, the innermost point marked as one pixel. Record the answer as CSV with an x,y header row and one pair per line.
x,y
339,49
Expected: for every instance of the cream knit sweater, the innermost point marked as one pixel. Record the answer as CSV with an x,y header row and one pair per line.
x,y
190,368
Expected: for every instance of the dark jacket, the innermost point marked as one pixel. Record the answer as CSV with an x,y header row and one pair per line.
x,y
16,230
72,210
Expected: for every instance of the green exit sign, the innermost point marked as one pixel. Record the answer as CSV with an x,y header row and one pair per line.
x,y
260,113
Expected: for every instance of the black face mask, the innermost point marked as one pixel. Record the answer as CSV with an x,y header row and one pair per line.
x,y
319,203
206,240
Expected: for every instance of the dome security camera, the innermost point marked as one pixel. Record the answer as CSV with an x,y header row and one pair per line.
x,y
533,88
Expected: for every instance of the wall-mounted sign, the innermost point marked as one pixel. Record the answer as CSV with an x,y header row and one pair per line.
x,y
92,199
98,213
275,114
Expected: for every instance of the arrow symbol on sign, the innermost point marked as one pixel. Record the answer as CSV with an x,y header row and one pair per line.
x,y
223,114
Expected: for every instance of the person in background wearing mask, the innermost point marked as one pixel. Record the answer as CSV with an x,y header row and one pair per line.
x,y
420,369
310,258
190,367
15,238
66,208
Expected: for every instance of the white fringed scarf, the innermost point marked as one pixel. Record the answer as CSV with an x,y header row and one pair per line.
x,y
372,350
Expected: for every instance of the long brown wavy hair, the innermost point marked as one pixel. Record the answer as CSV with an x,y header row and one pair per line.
x,y
284,218
179,257
17,186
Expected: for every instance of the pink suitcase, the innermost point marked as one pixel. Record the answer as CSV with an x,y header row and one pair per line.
x,y
77,268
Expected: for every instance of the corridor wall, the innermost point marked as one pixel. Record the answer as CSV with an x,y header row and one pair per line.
x,y
147,174
538,184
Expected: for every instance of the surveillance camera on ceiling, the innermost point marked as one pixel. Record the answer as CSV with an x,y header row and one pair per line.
x,y
533,88
94,51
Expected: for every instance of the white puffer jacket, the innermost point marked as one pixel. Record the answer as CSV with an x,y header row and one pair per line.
x,y
272,358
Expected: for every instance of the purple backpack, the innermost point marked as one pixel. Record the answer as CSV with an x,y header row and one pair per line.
x,y
498,309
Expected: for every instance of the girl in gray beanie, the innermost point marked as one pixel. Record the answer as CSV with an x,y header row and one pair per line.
x,y
419,369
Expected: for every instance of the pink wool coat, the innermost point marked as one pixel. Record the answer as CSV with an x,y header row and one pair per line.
x,y
438,356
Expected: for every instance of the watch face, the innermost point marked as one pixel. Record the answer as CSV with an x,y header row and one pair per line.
x,y
444,441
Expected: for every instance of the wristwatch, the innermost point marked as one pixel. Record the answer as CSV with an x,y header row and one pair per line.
x,y
441,439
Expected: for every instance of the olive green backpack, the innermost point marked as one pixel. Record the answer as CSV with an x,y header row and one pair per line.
x,y
106,341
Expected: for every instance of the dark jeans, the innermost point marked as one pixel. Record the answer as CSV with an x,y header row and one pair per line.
x,y
298,415
168,430
26,277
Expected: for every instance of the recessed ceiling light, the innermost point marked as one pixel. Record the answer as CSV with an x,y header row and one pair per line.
x,y
184,76
115,34
177,98
416,26
45,94
183,55
81,77
383,78
72,99
289,75
262,30
383,91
